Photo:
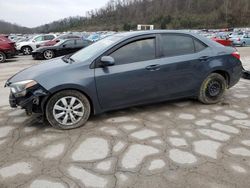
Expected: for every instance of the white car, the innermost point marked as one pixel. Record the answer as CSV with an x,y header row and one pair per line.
x,y
26,47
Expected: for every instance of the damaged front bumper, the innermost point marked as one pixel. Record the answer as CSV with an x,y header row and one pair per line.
x,y
32,102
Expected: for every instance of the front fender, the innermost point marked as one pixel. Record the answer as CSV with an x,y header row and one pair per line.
x,y
91,95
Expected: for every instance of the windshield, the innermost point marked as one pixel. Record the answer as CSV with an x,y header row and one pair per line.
x,y
94,49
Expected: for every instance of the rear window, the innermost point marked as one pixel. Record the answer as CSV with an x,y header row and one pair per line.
x,y
199,46
175,44
180,44
4,39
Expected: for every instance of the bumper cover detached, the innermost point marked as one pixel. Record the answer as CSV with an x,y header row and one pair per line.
x,y
32,102
246,74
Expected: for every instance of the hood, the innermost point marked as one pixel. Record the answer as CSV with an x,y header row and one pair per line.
x,y
37,72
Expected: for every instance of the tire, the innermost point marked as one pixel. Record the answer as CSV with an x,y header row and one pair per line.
x,y
212,89
48,54
2,57
26,50
61,113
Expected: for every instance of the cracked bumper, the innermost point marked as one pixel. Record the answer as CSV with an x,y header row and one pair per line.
x,y
32,102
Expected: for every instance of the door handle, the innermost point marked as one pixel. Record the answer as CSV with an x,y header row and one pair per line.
x,y
153,67
204,58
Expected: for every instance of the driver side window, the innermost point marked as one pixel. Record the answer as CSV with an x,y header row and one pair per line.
x,y
140,50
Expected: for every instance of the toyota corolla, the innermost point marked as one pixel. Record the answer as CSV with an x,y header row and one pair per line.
x,y
123,70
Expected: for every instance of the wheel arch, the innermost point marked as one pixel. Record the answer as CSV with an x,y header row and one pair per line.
x,y
57,90
26,46
2,52
223,73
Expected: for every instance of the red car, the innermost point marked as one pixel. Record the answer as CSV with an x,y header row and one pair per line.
x,y
7,48
56,40
224,42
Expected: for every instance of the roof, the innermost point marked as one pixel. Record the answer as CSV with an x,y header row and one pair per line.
x,y
136,33
148,32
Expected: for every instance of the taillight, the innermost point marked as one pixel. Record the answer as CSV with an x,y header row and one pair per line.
x,y
236,55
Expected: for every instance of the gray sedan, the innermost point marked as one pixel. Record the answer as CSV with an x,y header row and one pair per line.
x,y
124,70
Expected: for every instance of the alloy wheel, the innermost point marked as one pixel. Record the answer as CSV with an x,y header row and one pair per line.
x,y
26,50
48,54
68,110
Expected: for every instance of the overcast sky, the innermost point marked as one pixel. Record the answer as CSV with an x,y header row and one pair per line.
x,y
31,13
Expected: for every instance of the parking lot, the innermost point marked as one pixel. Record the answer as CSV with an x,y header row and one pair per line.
x,y
172,144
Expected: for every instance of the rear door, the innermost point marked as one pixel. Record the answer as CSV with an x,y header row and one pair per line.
x,y
182,59
132,79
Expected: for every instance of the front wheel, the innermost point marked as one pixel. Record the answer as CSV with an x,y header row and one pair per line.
x,y
212,89
48,54
68,109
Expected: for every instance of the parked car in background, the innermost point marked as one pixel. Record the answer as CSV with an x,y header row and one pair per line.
x,y
7,48
94,37
241,40
63,47
26,47
125,70
57,39
225,42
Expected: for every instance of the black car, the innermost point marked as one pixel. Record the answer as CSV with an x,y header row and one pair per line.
x,y
63,47
124,70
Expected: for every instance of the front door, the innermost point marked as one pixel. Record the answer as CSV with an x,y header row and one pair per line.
x,y
67,47
131,80
182,60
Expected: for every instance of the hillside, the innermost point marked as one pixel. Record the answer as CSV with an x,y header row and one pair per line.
x,y
169,14
6,27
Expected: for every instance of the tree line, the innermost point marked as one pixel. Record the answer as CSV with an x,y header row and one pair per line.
x,y
6,27
164,14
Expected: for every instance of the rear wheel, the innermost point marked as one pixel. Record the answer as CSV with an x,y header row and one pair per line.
x,y
26,50
68,109
48,54
2,57
212,89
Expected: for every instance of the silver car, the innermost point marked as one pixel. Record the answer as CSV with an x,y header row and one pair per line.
x,y
241,40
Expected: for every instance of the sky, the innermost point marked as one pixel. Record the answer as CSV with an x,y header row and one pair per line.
x,y
32,13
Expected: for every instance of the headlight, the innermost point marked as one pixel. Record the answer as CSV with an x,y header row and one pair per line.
x,y
19,89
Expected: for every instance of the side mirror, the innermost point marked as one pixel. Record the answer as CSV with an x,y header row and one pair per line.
x,y
107,61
